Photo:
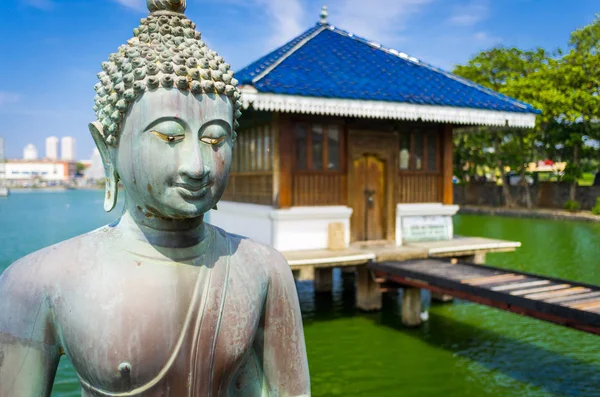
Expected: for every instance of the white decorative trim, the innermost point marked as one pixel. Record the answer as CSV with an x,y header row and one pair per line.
x,y
383,110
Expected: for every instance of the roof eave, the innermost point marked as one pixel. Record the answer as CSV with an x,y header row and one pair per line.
x,y
383,110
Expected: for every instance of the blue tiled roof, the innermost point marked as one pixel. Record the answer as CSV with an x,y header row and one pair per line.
x,y
336,64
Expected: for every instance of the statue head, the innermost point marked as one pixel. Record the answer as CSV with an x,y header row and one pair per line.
x,y
166,108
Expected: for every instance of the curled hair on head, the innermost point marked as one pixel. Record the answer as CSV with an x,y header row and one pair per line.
x,y
165,52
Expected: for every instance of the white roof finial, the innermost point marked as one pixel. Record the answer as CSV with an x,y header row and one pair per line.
x,y
324,15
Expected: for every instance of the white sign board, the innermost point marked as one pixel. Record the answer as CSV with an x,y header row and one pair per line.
x,y
426,228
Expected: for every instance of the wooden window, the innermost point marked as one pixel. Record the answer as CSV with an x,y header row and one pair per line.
x,y
318,147
316,139
432,150
419,150
405,151
333,147
301,146
418,147
267,149
253,151
259,149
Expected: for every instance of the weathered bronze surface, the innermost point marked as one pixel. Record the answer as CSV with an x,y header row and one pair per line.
x,y
158,303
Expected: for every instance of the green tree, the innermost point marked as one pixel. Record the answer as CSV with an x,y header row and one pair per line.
x,y
80,168
501,69
568,93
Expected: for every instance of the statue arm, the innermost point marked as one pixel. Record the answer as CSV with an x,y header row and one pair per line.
x,y
285,366
29,353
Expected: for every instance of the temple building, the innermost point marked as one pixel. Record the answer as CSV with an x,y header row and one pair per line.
x,y
339,130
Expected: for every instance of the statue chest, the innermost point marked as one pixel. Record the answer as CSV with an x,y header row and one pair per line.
x,y
172,329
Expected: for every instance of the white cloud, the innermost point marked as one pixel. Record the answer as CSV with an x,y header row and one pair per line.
x,y
470,14
41,4
7,98
286,17
486,39
380,20
138,5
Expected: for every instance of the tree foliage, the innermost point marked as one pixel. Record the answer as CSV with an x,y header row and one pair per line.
x,y
563,84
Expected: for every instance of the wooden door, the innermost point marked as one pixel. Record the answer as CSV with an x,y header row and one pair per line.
x,y
370,198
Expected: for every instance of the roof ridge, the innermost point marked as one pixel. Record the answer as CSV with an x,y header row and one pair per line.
x,y
289,53
406,57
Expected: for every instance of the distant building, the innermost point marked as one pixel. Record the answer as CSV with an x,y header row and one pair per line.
x,y
95,171
2,166
67,148
30,152
52,148
19,172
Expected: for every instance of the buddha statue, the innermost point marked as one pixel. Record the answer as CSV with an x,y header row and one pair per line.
x,y
158,303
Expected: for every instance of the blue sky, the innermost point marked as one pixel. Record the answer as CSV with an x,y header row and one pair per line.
x,y
52,49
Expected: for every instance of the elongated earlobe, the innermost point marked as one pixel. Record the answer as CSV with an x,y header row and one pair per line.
x,y
112,177
111,190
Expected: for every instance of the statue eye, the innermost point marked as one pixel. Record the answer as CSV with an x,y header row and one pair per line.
x,y
168,138
212,141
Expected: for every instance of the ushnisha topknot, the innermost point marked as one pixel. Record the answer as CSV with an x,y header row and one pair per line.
x,y
166,51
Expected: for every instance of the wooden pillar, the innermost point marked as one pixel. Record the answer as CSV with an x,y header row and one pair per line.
x,y
479,258
368,296
411,307
323,279
447,164
284,157
275,160
306,273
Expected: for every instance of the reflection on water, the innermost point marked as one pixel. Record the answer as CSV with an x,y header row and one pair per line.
x,y
464,349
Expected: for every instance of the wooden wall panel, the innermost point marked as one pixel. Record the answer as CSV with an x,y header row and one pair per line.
x,y
318,189
254,188
419,188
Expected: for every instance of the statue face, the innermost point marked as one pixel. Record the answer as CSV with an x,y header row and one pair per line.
x,y
174,153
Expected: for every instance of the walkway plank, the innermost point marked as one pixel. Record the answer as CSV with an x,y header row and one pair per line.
x,y
572,298
493,279
541,289
520,285
562,292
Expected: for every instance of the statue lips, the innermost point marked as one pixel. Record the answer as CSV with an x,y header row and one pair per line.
x,y
192,191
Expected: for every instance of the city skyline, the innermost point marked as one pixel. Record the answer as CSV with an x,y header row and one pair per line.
x,y
68,150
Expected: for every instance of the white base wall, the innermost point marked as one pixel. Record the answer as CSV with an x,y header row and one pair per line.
x,y
292,229
424,222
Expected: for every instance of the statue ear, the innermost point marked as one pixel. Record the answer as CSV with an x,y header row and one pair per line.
x,y
112,178
97,132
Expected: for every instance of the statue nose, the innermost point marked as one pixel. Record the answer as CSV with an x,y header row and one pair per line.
x,y
193,164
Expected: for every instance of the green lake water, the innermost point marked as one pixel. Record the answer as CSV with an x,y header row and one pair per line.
x,y
463,350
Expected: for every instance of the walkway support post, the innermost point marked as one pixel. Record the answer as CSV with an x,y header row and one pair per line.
x,y
324,279
305,273
368,296
411,307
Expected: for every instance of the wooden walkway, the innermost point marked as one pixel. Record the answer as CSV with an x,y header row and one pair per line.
x,y
567,303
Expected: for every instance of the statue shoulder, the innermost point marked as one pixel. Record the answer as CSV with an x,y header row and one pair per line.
x,y
263,255
45,266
